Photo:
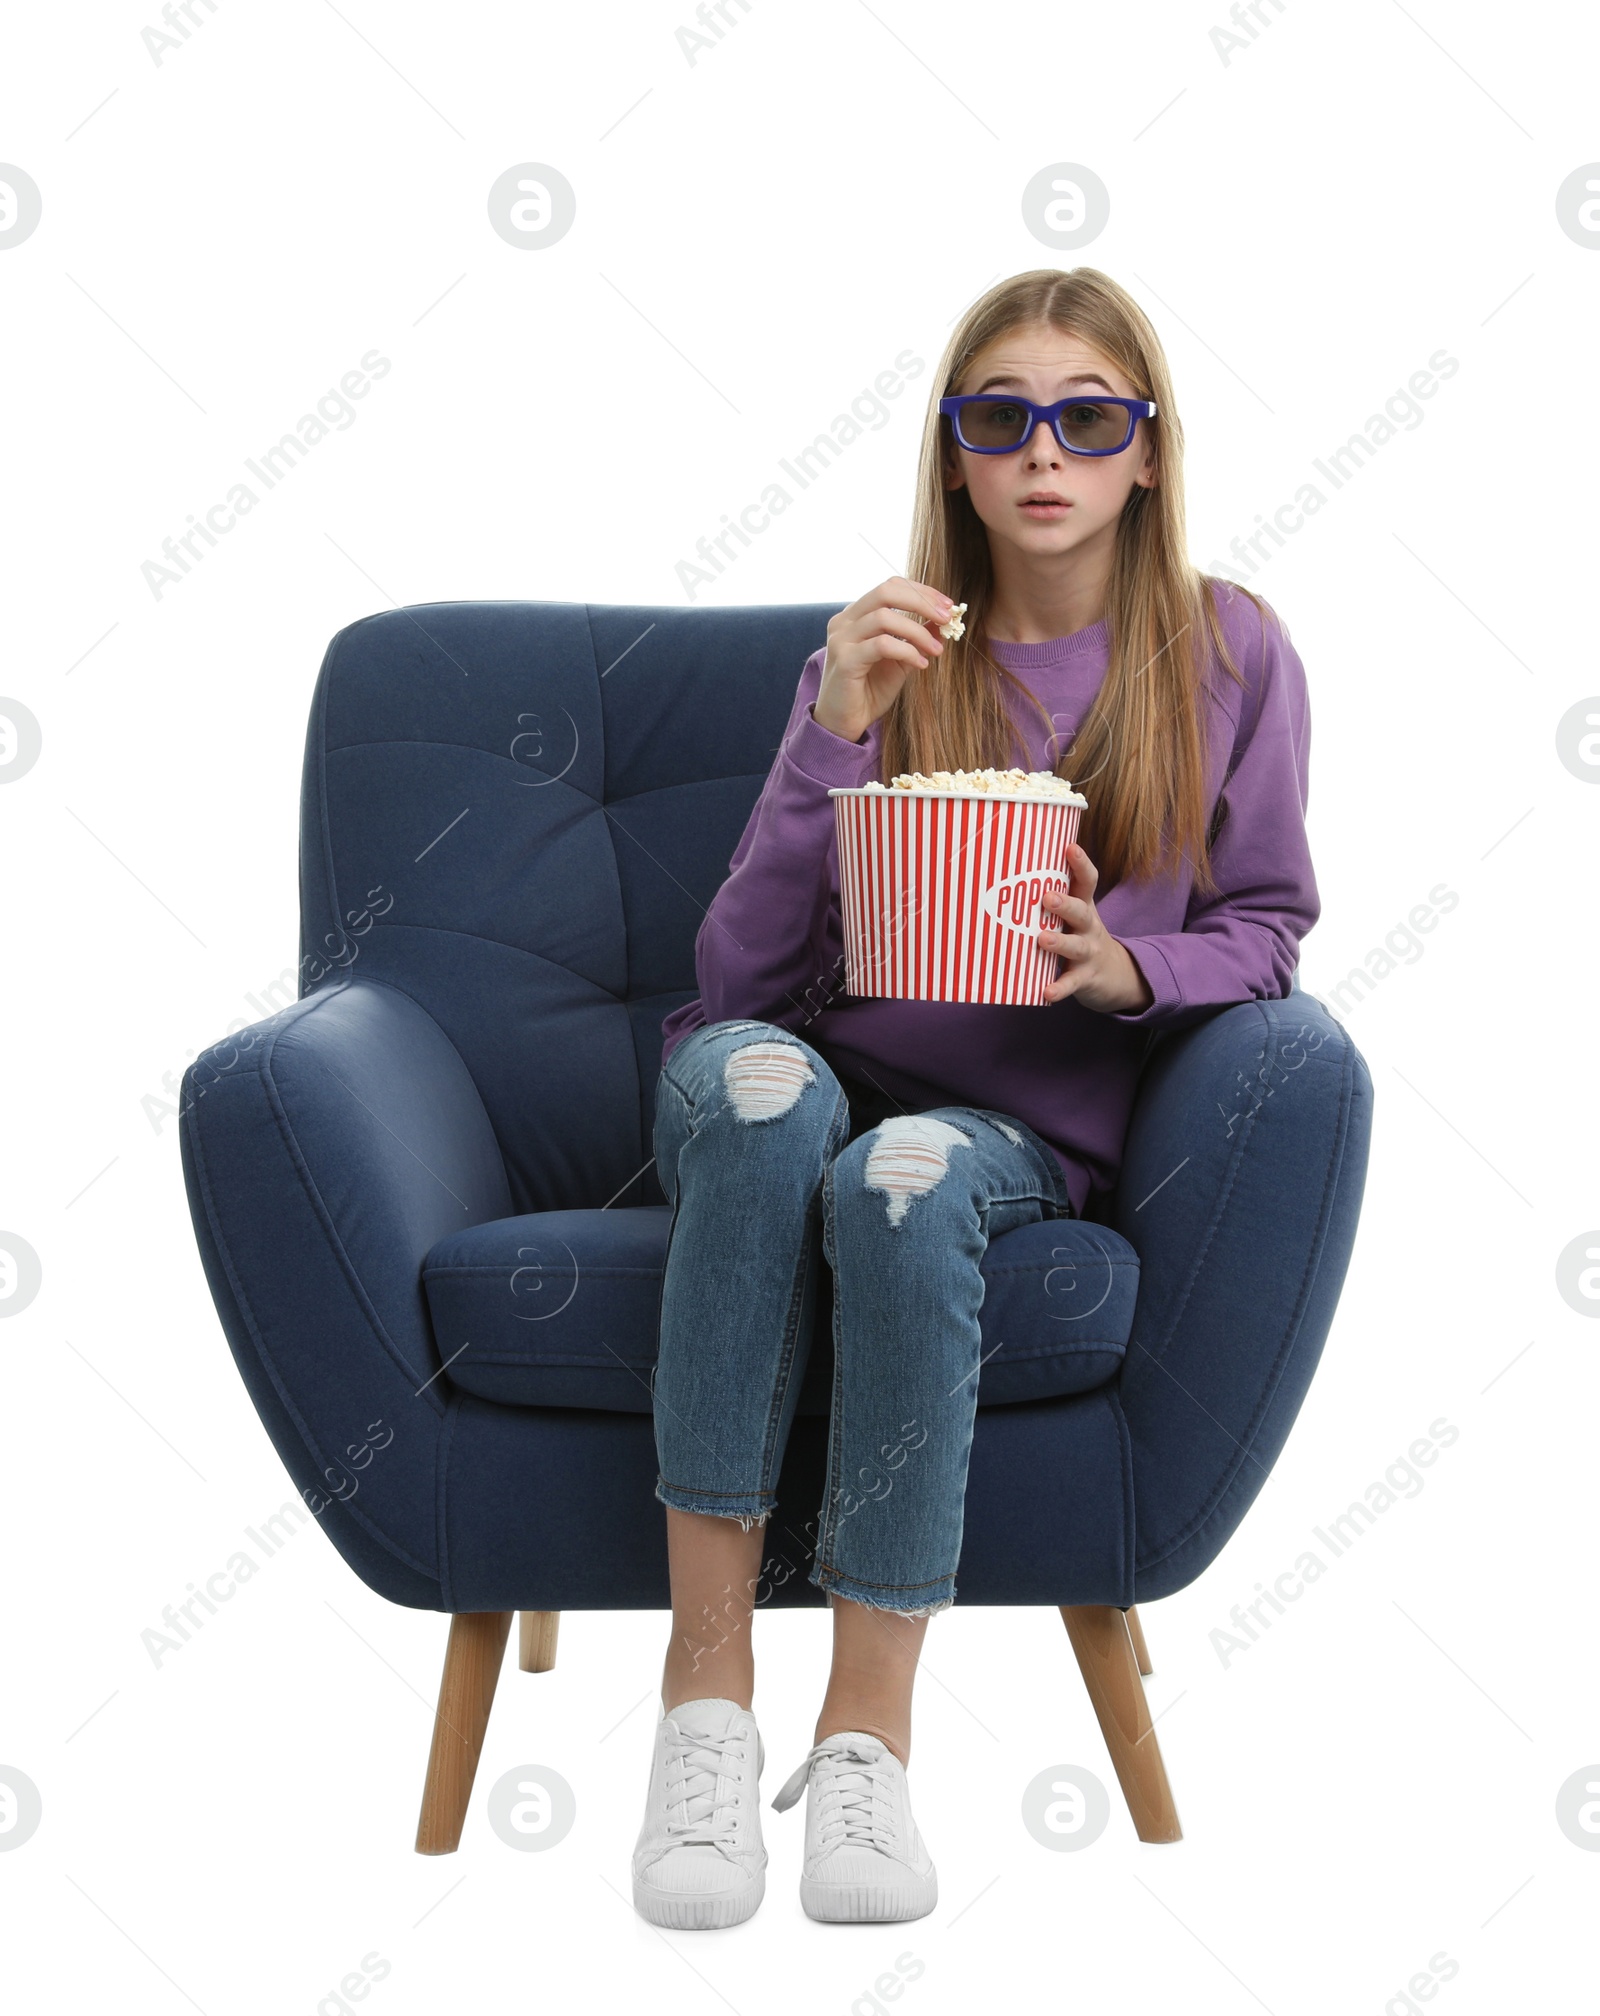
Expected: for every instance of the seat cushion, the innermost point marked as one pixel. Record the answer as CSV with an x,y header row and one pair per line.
x,y
561,1308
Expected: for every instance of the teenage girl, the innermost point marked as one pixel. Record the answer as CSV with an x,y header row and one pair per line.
x,y
796,1124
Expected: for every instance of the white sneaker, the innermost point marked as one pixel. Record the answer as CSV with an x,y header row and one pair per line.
x,y
699,1861
864,1858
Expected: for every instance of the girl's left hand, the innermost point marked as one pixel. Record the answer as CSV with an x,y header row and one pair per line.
x,y
1100,972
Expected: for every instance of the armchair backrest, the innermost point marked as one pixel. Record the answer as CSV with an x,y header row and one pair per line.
x,y
516,813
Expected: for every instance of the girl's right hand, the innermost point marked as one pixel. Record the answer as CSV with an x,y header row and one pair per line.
x,y
872,645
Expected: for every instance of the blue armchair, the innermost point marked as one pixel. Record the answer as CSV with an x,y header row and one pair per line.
x,y
425,1205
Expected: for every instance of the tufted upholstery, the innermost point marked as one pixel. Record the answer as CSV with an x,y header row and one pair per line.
x,y
599,765
512,816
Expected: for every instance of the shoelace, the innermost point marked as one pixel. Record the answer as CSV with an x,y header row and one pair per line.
x,y
687,1752
851,1781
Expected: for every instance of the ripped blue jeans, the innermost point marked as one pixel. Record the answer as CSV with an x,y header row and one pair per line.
x,y
769,1169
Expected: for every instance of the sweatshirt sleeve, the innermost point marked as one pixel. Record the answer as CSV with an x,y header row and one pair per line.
x,y
1244,943
765,948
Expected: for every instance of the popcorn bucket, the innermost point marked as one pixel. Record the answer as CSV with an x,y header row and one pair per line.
x,y
942,892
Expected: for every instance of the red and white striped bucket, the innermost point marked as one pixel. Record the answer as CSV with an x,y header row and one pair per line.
x,y
942,892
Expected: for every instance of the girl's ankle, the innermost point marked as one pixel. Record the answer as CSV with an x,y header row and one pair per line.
x,y
705,1682
892,1739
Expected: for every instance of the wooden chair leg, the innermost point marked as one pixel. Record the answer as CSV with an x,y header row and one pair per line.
x,y
1099,1634
1141,1651
537,1647
472,1662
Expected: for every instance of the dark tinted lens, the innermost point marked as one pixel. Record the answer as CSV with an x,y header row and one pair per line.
x,y
1088,424
994,423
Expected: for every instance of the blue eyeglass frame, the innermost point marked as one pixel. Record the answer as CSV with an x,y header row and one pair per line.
x,y
1137,410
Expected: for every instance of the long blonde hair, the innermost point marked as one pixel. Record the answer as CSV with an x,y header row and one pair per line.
x,y
1139,754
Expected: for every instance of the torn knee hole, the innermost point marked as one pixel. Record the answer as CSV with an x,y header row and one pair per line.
x,y
909,1157
764,1080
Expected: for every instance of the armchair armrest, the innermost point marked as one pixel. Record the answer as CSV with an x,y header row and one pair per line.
x,y
1240,1188
325,1150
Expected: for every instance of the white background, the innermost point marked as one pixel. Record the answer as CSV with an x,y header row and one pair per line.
x,y
759,233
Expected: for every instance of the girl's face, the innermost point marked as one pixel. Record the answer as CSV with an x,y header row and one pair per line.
x,y
1045,365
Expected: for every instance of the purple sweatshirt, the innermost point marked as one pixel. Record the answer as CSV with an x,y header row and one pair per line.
x,y
771,947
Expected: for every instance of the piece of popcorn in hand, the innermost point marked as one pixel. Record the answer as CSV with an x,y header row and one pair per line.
x,y
954,627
